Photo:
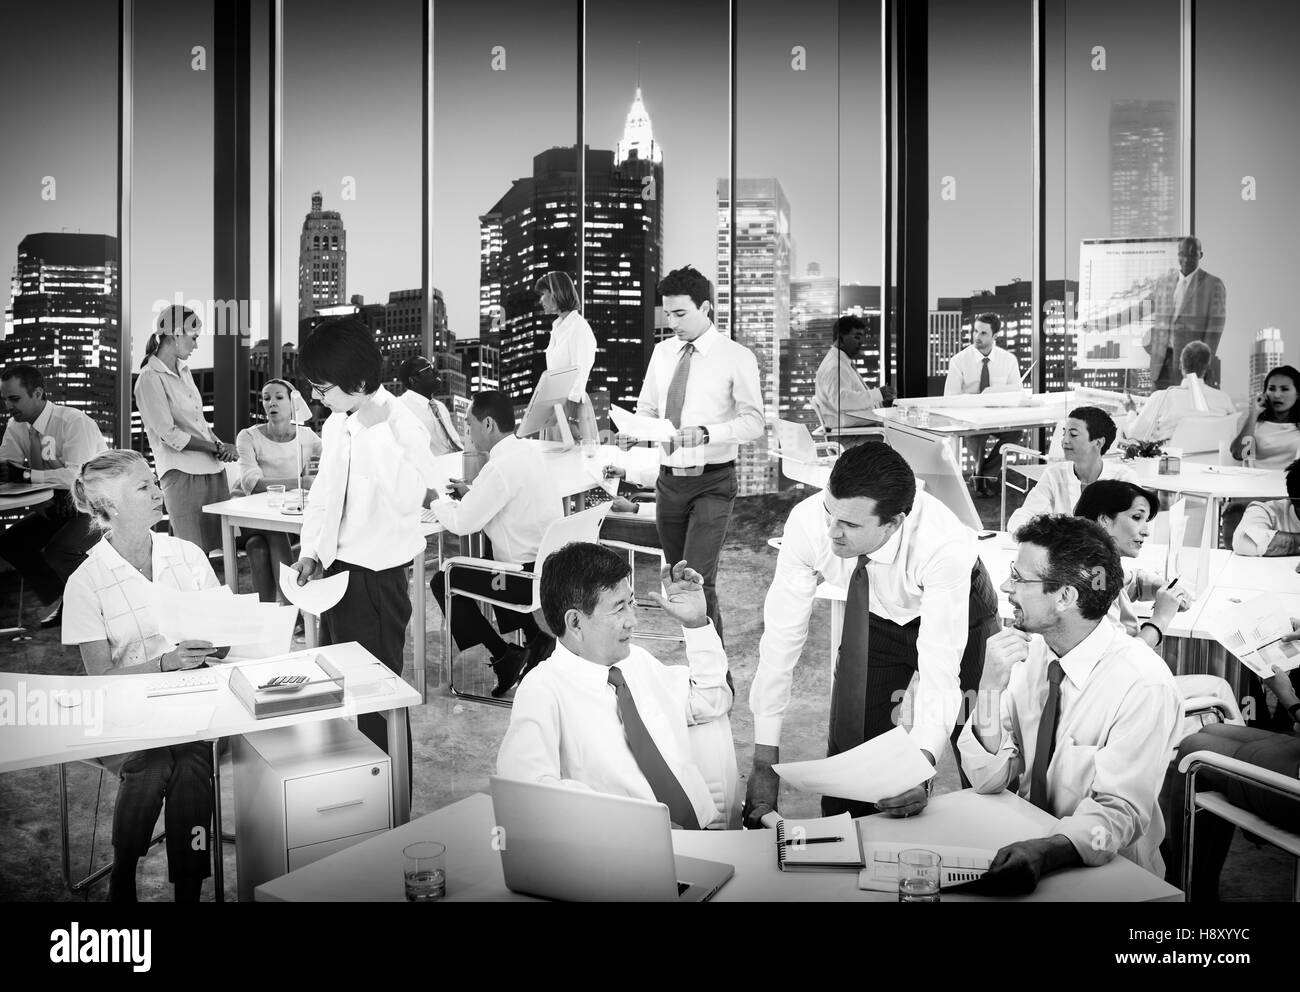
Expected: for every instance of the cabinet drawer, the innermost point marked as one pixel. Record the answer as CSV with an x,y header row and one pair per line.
x,y
337,804
301,856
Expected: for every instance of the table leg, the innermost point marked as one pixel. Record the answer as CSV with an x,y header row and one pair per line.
x,y
214,839
311,630
397,763
229,560
420,621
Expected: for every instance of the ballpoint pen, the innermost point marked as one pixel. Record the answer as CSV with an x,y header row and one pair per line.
x,y
793,841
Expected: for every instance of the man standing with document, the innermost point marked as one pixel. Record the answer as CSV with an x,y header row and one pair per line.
x,y
916,596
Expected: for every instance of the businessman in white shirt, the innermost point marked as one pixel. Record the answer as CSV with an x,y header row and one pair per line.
x,y
420,381
841,395
1089,432
1164,408
604,714
707,385
1074,715
917,597
45,443
513,502
980,366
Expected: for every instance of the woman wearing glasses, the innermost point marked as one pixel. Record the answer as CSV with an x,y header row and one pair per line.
x,y
187,452
572,345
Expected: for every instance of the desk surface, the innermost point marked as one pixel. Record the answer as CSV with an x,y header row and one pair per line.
x,y
128,720
256,511
372,870
1220,482
26,500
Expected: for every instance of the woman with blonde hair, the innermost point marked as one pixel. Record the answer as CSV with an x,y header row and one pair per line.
x,y
110,612
572,345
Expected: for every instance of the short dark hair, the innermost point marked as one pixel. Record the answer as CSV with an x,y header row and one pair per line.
x,y
1099,424
1293,415
494,404
28,376
1293,479
992,319
410,366
574,577
687,281
849,322
341,351
878,472
1079,554
1195,358
1111,497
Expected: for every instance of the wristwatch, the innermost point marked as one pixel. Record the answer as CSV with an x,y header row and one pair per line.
x,y
706,435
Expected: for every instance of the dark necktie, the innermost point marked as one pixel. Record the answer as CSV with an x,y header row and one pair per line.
x,y
36,459
452,443
984,375
1046,744
849,690
677,391
667,789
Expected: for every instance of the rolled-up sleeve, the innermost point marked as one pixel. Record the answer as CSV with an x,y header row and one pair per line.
x,y
940,644
701,684
992,773
1255,532
156,411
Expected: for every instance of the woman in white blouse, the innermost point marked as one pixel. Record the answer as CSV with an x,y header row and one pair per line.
x,y
1274,421
110,613
1125,511
278,452
572,345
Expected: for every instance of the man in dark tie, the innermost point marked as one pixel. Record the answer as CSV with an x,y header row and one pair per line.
x,y
420,381
604,714
1189,305
1073,714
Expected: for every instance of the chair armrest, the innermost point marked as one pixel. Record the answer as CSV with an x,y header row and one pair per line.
x,y
1242,770
1199,704
480,564
1020,449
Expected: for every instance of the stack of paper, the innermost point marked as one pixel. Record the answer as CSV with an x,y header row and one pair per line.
x,y
1253,632
884,766
251,629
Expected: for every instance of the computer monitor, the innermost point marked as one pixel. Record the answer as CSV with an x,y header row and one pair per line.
x,y
546,408
932,460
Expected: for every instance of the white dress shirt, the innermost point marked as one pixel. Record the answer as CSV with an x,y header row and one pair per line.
x,y
923,571
513,501
107,599
565,727
1166,407
722,394
1277,444
171,408
1059,489
365,505
572,345
1261,523
441,430
840,389
69,439
1121,716
965,366
261,458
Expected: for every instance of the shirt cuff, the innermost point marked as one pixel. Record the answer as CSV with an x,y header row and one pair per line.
x,y
767,730
1082,832
980,766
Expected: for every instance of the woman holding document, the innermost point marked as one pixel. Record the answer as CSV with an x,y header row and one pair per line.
x,y
110,612
572,345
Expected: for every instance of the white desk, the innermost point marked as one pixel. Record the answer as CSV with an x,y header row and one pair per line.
x,y
26,500
130,721
1215,483
372,870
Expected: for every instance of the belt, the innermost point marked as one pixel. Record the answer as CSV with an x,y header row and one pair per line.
x,y
695,469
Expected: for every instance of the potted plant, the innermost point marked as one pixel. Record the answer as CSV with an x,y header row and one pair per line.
x,y
1144,456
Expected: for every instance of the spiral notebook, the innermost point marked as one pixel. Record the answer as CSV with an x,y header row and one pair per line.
x,y
829,843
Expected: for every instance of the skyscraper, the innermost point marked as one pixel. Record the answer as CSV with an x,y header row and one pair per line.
x,y
946,338
480,360
814,306
756,313
1265,354
63,319
322,260
1143,174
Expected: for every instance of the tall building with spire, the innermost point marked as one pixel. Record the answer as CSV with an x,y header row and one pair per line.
x,y
322,260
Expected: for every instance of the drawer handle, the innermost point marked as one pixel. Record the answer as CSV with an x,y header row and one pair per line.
x,y
334,806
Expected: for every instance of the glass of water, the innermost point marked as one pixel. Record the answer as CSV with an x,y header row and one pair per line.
x,y
918,875
425,868
274,496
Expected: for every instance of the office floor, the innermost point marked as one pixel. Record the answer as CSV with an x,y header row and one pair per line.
x,y
456,741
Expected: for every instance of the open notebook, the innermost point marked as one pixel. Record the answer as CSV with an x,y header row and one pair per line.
x,y
829,843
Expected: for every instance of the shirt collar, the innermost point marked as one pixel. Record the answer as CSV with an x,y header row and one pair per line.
x,y
42,423
703,344
158,365
381,396
578,667
1079,661
112,559
888,552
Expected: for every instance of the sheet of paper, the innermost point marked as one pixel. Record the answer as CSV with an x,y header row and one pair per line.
x,y
447,467
876,769
316,596
642,428
217,616
1177,531
279,623
1252,631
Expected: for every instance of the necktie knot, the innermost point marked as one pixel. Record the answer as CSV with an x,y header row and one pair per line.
x,y
616,678
1055,672
986,361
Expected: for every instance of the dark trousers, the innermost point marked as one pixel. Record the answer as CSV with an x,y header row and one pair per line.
x,y
692,513
469,626
48,545
892,663
1276,752
373,612
181,774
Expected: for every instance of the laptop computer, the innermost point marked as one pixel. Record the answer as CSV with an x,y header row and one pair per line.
x,y
571,844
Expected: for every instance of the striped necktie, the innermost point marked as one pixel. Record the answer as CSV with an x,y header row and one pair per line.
x,y
667,789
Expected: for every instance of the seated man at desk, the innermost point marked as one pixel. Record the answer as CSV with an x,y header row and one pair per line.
x,y
513,504
1270,527
567,726
1074,715
1166,407
976,369
420,381
842,397
1089,433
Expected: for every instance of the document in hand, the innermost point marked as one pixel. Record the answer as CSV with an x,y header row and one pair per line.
x,y
642,428
876,769
249,627
1253,632
316,596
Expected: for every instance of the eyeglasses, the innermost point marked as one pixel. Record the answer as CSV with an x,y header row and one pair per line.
x,y
320,387
1018,580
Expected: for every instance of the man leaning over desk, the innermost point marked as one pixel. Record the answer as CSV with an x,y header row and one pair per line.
x,y
1073,714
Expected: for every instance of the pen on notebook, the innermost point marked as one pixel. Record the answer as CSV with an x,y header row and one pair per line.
x,y
795,841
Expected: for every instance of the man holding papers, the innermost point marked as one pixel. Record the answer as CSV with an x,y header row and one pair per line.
x,y
1073,714
917,595
603,714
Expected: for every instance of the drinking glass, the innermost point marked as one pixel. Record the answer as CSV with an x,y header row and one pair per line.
x,y
425,871
275,496
918,875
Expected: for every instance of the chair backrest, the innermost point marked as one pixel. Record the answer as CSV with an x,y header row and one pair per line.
x,y
584,526
714,751
1203,432
810,474
1055,452
932,462
796,442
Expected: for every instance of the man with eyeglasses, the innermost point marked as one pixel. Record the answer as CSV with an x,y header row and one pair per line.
x,y
918,600
1074,715
420,380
